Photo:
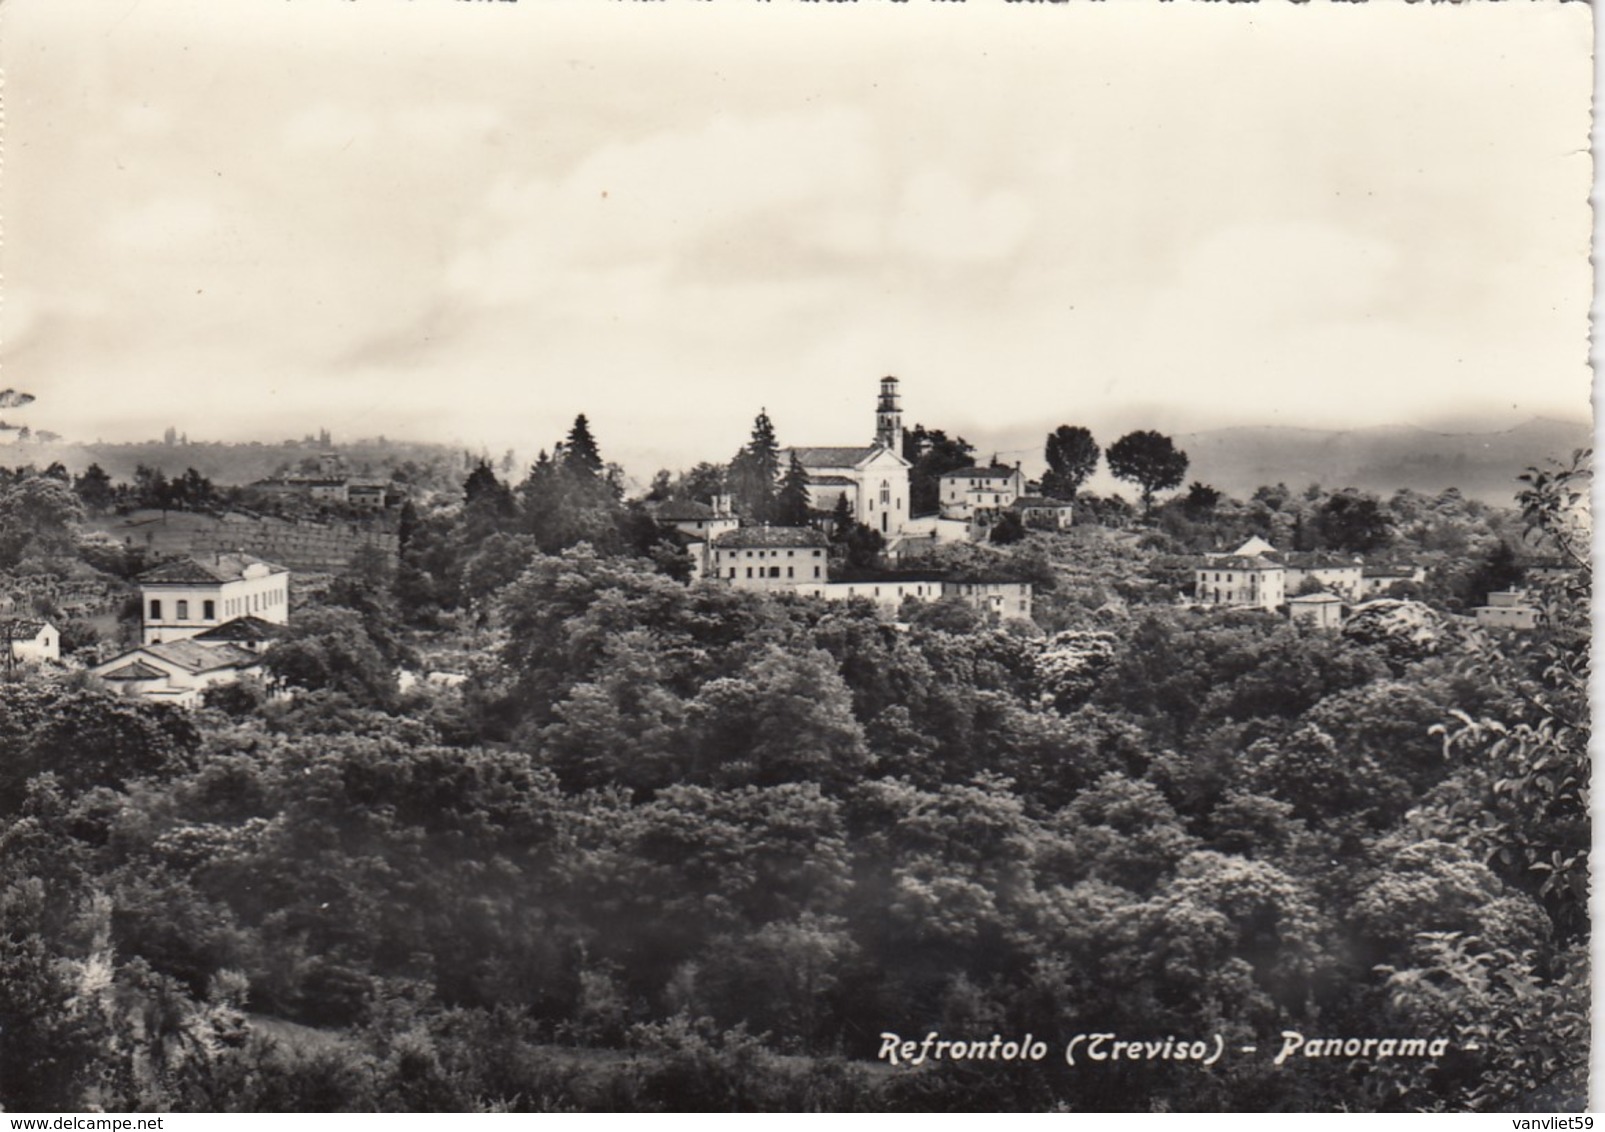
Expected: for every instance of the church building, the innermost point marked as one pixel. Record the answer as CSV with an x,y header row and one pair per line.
x,y
873,478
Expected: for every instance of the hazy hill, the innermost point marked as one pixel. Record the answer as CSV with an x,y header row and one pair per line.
x,y
1483,465
228,463
1482,461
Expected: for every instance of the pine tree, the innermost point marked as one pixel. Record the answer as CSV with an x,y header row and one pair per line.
x,y
792,504
754,471
580,454
94,488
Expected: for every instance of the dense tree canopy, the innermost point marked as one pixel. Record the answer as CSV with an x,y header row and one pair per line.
x,y
1072,457
1150,460
672,845
931,453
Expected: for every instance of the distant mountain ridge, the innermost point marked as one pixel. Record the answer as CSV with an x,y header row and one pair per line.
x,y
1381,459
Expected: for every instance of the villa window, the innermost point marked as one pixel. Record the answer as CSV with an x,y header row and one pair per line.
x,y
209,610
183,611
155,610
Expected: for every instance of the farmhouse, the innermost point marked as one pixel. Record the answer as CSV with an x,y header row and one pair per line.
x,y
30,640
177,671
1322,610
1256,581
1507,609
1041,512
1330,571
769,558
970,492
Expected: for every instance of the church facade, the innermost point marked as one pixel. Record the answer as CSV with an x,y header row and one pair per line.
x,y
873,478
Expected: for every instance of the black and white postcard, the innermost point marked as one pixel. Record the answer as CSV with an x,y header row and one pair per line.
x,y
775,555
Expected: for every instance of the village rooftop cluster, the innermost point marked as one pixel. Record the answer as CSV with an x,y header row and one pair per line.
x,y
208,618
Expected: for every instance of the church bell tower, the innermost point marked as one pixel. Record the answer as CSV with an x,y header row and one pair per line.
x,y
889,417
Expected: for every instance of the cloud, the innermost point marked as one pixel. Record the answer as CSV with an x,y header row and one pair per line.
x,y
634,213
942,219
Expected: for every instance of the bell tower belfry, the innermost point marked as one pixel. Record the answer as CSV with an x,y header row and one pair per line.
x,y
889,417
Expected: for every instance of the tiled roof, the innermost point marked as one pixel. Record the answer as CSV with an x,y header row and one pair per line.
x,y
1241,562
21,628
770,536
1315,560
1390,570
834,457
202,658
996,472
1030,502
195,571
683,510
247,628
986,577
134,670
1314,599
832,481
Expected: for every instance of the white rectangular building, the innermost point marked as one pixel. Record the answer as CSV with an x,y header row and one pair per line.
x,y
187,596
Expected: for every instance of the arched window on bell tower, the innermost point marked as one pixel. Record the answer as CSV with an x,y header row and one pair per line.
x,y
889,416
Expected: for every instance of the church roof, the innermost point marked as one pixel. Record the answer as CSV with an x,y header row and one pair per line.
x,y
834,457
771,536
832,481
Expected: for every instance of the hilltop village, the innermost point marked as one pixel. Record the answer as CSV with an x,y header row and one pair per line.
x,y
828,522
425,781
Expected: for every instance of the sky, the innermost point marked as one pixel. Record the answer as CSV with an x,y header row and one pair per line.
x,y
468,222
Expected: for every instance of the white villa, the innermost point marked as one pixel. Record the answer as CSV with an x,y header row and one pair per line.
x,y
187,596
